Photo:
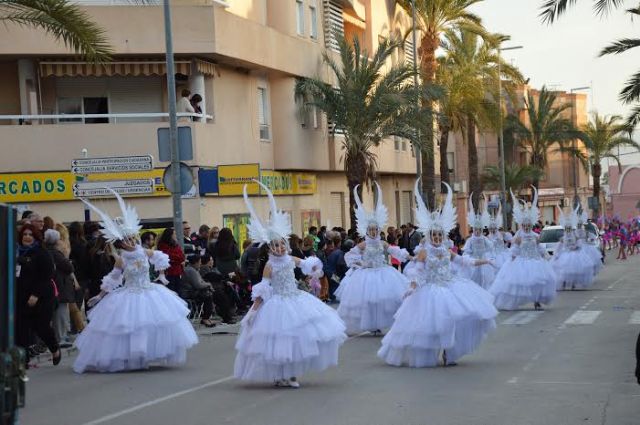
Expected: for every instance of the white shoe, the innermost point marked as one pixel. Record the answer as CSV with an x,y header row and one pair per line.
x,y
281,383
293,383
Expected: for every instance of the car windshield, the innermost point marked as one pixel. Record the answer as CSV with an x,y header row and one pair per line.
x,y
551,235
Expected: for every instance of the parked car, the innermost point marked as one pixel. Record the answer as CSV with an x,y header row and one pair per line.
x,y
551,235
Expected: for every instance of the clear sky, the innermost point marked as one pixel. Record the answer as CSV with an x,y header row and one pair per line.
x,y
565,55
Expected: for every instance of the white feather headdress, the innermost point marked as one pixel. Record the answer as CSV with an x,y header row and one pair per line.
x,y
524,214
364,218
119,228
582,218
495,221
277,227
569,220
477,221
443,219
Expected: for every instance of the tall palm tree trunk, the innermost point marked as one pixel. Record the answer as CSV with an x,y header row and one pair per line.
x,y
428,64
444,143
355,169
475,185
596,171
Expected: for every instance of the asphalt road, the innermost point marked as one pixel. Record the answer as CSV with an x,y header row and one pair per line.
x,y
571,364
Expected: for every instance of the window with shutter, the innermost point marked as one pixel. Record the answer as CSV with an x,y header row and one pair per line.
x,y
407,207
300,17
337,209
263,113
333,24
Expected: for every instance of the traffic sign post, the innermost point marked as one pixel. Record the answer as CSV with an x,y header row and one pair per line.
x,y
122,164
93,189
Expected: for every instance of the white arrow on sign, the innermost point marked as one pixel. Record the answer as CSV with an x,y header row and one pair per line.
x,y
116,164
123,187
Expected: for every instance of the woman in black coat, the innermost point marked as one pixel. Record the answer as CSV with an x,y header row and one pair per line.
x,y
35,292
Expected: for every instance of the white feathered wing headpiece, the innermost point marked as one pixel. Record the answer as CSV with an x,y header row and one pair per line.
x,y
477,221
276,228
364,218
524,214
569,220
442,219
119,228
495,221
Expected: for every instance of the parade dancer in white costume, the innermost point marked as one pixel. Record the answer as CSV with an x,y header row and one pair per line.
x,y
372,292
443,314
587,242
497,238
134,323
529,277
287,332
479,247
570,260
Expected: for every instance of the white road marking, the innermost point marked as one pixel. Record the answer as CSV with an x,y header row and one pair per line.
x,y
513,380
635,318
172,396
583,317
523,318
150,403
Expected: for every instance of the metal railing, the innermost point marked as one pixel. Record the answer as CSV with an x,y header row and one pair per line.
x,y
113,118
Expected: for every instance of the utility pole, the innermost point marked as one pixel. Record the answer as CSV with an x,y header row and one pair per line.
x,y
417,151
574,162
174,148
503,182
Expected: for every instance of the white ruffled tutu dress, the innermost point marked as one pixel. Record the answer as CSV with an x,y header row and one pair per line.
x,y
528,278
292,333
500,251
480,248
138,323
372,292
445,312
570,263
590,249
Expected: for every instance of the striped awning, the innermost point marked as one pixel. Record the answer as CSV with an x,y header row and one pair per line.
x,y
122,68
207,68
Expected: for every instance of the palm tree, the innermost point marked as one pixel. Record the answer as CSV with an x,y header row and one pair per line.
x,y
366,104
517,177
601,137
63,20
472,67
433,19
545,130
630,93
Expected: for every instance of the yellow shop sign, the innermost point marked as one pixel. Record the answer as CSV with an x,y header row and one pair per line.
x,y
289,183
232,178
36,187
58,185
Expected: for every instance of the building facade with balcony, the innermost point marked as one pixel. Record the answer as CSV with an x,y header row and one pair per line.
x,y
243,58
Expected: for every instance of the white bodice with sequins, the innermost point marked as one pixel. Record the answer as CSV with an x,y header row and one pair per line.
x,y
479,247
136,269
529,246
283,280
373,255
570,241
498,242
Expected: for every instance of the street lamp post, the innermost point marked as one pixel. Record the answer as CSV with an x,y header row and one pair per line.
x,y
503,183
574,163
416,147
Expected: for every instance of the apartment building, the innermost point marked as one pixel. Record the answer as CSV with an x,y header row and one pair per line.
x,y
243,57
557,187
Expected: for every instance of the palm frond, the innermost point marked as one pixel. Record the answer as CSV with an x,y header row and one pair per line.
x,y
63,20
631,91
620,46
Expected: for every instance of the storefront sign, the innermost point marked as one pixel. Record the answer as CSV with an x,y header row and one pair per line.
x,y
289,183
232,178
59,185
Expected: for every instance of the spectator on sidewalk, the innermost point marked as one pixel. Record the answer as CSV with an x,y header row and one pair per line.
x,y
168,243
193,287
226,253
35,292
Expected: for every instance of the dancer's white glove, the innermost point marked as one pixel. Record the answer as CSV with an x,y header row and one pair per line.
x,y
162,279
